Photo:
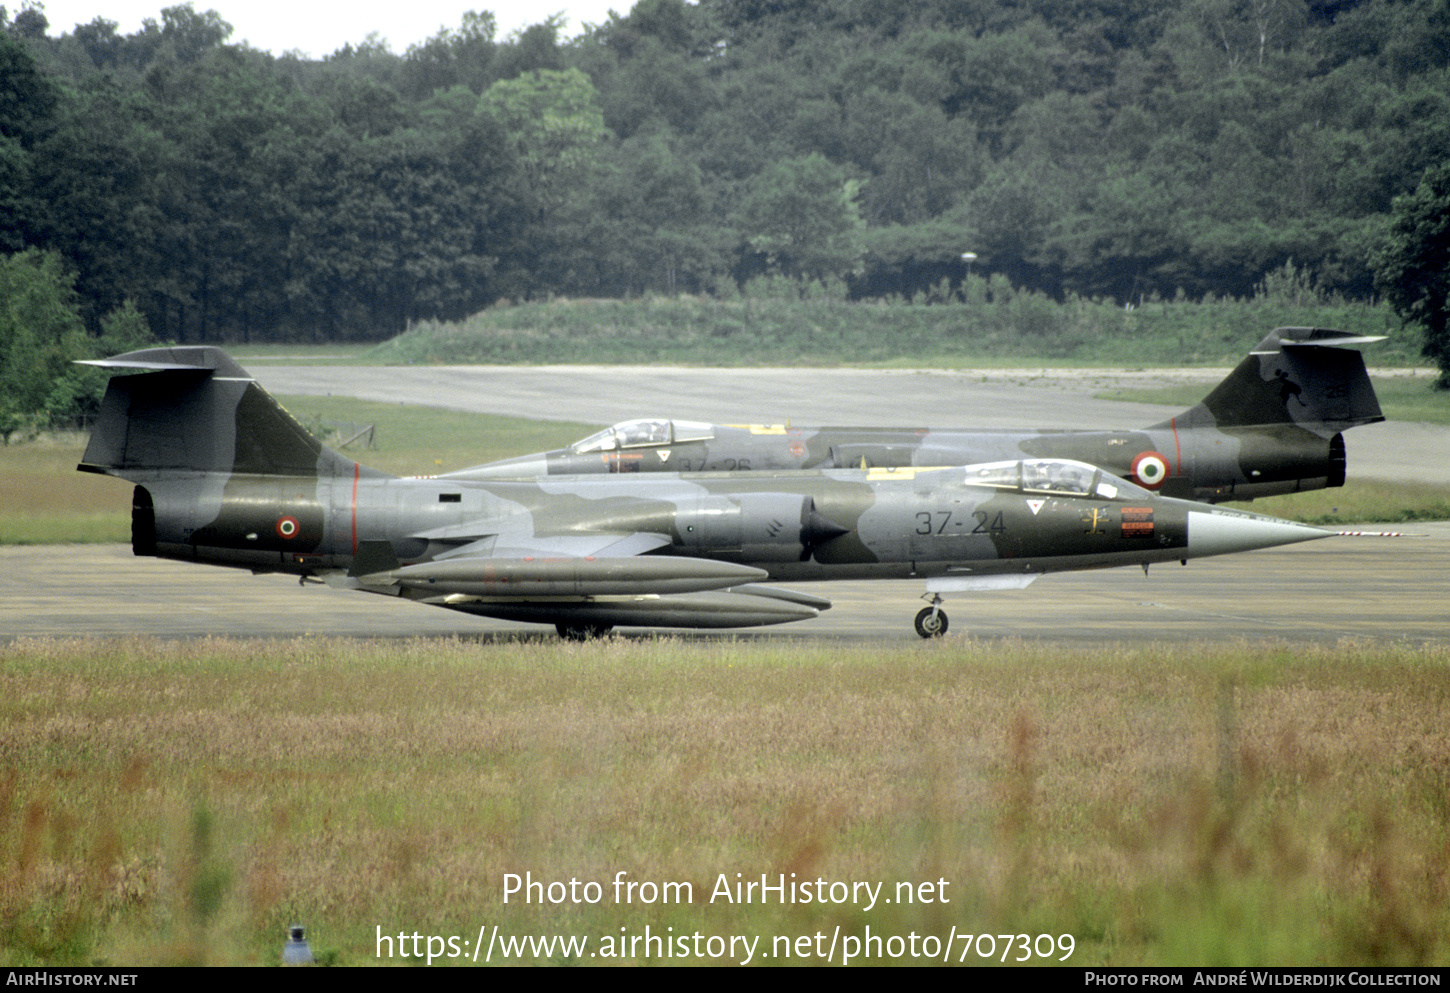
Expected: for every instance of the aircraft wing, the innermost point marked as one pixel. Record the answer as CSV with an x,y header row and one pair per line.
x,y
959,583
505,545
582,582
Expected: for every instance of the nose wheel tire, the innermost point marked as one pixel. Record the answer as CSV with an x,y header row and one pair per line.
x,y
931,622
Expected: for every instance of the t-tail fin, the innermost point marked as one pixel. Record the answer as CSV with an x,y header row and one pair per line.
x,y
193,409
1300,376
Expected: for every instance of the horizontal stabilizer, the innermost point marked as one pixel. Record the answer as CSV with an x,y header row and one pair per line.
x,y
176,359
1311,337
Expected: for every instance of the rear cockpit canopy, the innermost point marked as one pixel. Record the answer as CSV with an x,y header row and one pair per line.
x,y
1059,476
643,433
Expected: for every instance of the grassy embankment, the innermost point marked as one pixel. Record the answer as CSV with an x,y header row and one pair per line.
x,y
182,802
1000,327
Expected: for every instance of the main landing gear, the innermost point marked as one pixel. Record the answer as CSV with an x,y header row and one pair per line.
x,y
931,622
582,632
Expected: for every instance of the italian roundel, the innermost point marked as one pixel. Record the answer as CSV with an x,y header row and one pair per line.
x,y
287,527
1150,469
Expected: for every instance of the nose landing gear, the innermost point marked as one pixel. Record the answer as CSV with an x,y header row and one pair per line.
x,y
931,622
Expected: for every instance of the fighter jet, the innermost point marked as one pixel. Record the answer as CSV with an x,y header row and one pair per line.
x,y
1273,426
224,475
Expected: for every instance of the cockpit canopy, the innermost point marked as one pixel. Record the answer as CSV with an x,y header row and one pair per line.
x,y
643,433
1062,476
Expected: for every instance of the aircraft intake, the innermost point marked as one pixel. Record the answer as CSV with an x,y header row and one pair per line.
x,y
760,527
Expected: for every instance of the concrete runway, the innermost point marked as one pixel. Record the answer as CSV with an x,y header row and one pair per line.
x,y
1377,589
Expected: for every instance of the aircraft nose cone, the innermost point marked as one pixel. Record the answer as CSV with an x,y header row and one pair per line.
x,y
1221,532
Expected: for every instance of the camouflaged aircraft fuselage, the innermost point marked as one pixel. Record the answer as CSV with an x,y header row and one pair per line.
x,y
223,475
1273,426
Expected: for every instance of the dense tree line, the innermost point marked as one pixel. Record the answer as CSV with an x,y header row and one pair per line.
x,y
1113,148
1412,265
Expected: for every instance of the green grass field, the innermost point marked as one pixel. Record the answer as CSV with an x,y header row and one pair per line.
x,y
416,440
183,802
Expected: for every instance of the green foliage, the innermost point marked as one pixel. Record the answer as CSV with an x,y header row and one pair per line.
x,y
1412,268
27,96
28,101
649,236
553,121
40,335
550,123
1120,150
185,34
452,57
803,216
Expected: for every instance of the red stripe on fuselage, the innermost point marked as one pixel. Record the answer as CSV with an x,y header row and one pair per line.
x,y
1177,447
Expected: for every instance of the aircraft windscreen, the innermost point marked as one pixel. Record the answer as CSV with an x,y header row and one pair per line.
x,y
599,441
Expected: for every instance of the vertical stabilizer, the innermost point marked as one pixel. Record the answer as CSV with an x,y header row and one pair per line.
x,y
193,409
1298,376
